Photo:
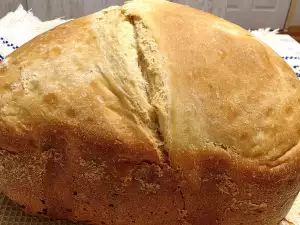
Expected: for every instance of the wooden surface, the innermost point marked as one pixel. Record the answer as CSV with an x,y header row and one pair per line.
x,y
10,5
293,31
294,14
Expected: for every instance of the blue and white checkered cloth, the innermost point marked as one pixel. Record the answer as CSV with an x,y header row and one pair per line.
x,y
294,62
6,44
19,27
284,45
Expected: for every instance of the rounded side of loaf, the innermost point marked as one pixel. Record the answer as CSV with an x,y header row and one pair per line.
x,y
150,113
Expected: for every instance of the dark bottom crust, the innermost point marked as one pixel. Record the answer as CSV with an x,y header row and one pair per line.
x,y
218,191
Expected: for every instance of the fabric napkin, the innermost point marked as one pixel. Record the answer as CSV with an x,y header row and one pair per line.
x,y
19,27
284,45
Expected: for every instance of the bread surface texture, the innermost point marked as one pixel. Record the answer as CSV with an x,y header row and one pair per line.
x,y
150,113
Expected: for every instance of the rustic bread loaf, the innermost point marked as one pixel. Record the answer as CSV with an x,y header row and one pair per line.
x,y
151,113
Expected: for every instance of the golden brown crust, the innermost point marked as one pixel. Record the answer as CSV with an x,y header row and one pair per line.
x,y
150,113
234,80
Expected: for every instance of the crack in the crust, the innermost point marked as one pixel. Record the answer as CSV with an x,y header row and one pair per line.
x,y
143,65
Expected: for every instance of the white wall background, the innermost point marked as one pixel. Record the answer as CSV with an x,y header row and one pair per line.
x,y
51,9
9,5
251,14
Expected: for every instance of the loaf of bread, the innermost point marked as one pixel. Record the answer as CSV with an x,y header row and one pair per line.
x,y
151,113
